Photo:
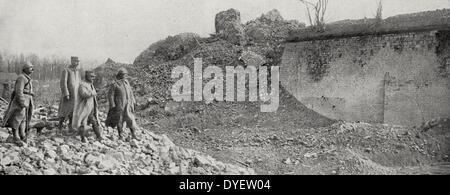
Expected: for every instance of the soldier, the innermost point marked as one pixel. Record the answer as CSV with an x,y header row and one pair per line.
x,y
20,108
70,81
86,110
121,105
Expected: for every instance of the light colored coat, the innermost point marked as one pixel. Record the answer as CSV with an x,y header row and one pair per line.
x,y
86,105
69,83
20,108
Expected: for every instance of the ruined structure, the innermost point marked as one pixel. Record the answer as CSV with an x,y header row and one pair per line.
x,y
395,71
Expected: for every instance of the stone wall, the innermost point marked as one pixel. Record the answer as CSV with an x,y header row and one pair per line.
x,y
394,78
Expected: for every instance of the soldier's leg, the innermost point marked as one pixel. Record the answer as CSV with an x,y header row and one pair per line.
x,y
22,132
95,127
82,133
14,123
16,136
120,127
71,130
61,124
131,123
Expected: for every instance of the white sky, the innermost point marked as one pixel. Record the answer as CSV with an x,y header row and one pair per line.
x,y
121,29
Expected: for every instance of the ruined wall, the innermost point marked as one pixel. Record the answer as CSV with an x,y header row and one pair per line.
x,y
397,78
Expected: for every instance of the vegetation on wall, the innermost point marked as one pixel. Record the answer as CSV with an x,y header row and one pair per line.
x,y
443,53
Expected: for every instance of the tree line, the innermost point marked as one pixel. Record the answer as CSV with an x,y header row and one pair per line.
x,y
46,68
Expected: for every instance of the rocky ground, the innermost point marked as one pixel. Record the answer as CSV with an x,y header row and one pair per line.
x,y
50,154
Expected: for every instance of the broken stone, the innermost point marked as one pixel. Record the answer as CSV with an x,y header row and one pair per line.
x,y
3,134
65,153
37,156
51,154
229,26
29,151
92,160
145,171
134,143
10,159
201,161
174,170
251,58
272,16
288,161
58,140
310,155
50,172
107,163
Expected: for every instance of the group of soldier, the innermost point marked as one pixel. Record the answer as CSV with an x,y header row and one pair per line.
x,y
78,104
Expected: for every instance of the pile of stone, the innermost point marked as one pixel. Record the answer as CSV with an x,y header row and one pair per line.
x,y
50,154
269,27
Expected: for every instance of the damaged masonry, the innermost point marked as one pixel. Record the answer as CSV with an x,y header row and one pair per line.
x,y
354,97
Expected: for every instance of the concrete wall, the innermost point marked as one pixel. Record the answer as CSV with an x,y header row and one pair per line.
x,y
397,79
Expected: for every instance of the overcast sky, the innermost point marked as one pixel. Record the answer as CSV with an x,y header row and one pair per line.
x,y
121,29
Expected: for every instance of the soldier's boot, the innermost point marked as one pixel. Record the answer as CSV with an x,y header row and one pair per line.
x,y
120,130
133,134
23,134
60,126
16,137
71,130
97,132
82,134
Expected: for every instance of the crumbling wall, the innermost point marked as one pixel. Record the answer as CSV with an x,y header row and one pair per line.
x,y
395,78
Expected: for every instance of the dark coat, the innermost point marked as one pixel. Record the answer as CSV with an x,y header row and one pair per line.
x,y
121,103
20,108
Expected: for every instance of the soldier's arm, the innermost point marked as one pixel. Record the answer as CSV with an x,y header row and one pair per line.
x,y
84,92
18,90
63,83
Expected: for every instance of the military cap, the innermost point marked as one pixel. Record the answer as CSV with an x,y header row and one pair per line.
x,y
74,59
27,65
122,71
90,72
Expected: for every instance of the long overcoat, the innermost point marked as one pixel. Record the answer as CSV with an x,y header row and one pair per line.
x,y
87,105
121,103
21,105
69,83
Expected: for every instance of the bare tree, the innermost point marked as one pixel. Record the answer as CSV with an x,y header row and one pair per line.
x,y
318,9
379,14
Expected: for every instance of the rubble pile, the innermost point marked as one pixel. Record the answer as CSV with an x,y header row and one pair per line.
x,y
271,27
293,140
229,27
230,46
50,154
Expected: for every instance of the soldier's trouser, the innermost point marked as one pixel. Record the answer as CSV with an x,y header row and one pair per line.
x,y
95,127
20,133
63,119
18,123
130,121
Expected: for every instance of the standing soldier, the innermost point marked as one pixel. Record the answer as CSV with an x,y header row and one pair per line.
x,y
86,110
20,109
70,81
121,105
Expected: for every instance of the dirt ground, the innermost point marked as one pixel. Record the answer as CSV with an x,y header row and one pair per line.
x,y
297,141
